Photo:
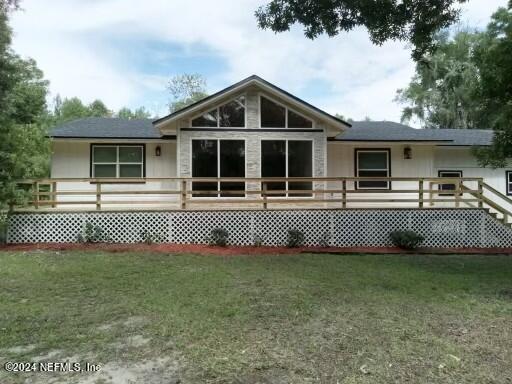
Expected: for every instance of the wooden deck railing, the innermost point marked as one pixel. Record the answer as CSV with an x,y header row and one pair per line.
x,y
259,193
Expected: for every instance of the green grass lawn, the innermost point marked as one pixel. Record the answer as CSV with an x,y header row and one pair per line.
x,y
259,319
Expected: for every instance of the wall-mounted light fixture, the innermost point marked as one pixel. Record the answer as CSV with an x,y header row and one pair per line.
x,y
158,151
407,153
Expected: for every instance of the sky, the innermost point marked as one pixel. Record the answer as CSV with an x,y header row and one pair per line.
x,y
125,51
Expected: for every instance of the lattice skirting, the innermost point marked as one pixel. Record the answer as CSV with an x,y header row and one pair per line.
x,y
337,228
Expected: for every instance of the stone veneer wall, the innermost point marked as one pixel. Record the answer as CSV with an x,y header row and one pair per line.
x,y
253,142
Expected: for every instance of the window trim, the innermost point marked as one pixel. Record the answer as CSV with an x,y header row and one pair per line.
x,y
440,187
117,145
286,160
217,107
260,95
356,168
508,183
218,140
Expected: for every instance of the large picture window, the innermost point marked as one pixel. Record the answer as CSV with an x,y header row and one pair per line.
x,y
373,163
509,182
274,115
218,158
117,161
287,158
229,115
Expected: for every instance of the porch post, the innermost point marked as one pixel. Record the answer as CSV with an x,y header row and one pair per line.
x,y
420,193
183,194
344,193
480,193
264,194
98,196
35,193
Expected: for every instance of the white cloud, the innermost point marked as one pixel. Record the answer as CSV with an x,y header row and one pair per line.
x,y
73,42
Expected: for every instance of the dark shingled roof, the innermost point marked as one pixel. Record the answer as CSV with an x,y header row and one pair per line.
x,y
365,131
107,128
386,131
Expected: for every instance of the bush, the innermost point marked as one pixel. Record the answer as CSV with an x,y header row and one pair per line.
x,y
406,239
219,237
295,238
4,224
92,234
257,240
149,237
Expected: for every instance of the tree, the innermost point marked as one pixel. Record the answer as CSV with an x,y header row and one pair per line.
x,y
23,146
72,109
466,83
98,109
139,113
494,61
186,89
414,21
442,92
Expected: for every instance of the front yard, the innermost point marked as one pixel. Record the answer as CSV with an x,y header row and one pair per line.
x,y
160,318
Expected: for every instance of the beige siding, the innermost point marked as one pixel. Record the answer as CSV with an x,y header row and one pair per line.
x,y
71,159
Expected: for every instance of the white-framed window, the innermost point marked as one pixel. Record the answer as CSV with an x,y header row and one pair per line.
x,y
218,158
287,158
373,163
276,115
453,174
228,115
509,182
117,161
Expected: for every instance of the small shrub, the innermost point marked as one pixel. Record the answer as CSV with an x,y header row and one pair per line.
x,y
149,237
219,237
4,225
295,238
406,239
257,240
325,241
92,234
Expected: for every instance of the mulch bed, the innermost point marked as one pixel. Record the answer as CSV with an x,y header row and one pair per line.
x,y
246,250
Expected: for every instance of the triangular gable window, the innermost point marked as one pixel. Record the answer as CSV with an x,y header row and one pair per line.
x,y
229,115
274,115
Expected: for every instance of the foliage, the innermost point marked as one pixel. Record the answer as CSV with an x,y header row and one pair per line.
x,y
257,240
23,146
92,234
4,223
414,21
139,113
186,89
442,92
406,239
325,241
466,84
295,238
149,237
494,60
219,237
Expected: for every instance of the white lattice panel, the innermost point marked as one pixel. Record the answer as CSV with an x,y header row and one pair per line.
x,y
340,228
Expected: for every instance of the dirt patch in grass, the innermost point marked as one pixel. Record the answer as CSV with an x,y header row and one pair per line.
x,y
201,249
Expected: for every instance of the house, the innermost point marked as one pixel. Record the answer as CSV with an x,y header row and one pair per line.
x,y
256,146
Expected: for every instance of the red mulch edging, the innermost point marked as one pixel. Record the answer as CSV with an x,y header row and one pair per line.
x,y
246,250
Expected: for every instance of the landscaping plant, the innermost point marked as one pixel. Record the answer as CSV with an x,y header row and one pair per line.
x,y
295,238
219,237
92,234
406,239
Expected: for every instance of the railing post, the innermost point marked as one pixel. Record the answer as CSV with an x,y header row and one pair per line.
x,y
420,193
54,194
98,196
264,194
344,193
458,192
35,193
480,193
183,194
